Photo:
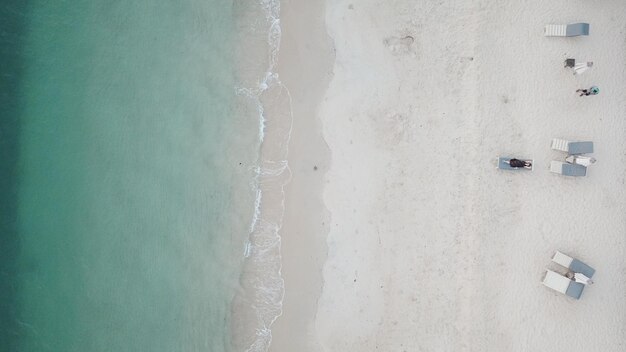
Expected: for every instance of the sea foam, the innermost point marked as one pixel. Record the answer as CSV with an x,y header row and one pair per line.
x,y
259,301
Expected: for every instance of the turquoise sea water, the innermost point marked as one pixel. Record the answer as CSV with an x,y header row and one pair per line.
x,y
126,198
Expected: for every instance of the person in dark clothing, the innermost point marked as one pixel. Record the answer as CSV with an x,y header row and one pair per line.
x,y
520,163
586,92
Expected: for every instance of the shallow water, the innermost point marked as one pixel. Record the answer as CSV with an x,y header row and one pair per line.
x,y
129,190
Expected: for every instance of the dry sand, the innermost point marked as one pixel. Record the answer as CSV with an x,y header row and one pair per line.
x,y
429,247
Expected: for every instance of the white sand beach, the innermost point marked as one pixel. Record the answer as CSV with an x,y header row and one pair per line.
x,y
400,234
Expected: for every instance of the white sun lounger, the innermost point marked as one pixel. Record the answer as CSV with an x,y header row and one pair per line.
x,y
567,169
571,147
573,264
580,160
566,30
562,284
504,165
582,67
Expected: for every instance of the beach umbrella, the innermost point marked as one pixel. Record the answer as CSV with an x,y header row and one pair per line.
x,y
595,90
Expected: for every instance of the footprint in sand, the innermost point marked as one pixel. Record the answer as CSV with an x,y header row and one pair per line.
x,y
393,128
399,45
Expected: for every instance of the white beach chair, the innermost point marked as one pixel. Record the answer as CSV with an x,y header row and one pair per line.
x,y
562,259
566,30
563,285
582,67
571,147
573,264
567,169
580,160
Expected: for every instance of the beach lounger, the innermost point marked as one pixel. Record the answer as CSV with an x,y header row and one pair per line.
x,y
571,147
562,284
582,67
504,165
566,30
566,169
578,68
572,264
580,160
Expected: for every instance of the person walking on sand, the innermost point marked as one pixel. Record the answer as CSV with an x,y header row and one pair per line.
x,y
586,92
520,163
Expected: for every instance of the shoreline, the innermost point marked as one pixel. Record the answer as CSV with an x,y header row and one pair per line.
x,y
305,67
265,99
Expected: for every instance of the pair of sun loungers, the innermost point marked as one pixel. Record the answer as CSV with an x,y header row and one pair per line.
x,y
563,284
575,164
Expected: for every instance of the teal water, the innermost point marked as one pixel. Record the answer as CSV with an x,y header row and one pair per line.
x,y
11,21
127,199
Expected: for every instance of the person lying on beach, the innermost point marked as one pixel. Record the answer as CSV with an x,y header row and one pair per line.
x,y
579,277
586,92
520,163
